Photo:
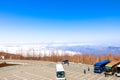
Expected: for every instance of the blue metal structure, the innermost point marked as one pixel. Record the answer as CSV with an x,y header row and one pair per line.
x,y
100,66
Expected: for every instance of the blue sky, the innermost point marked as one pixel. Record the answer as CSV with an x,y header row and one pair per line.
x,y
60,21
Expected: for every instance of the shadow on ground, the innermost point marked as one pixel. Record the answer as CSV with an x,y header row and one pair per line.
x,y
4,64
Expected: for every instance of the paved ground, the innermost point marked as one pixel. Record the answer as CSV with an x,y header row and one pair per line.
x,y
40,70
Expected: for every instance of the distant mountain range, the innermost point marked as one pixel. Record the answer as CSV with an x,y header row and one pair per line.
x,y
74,47
90,49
